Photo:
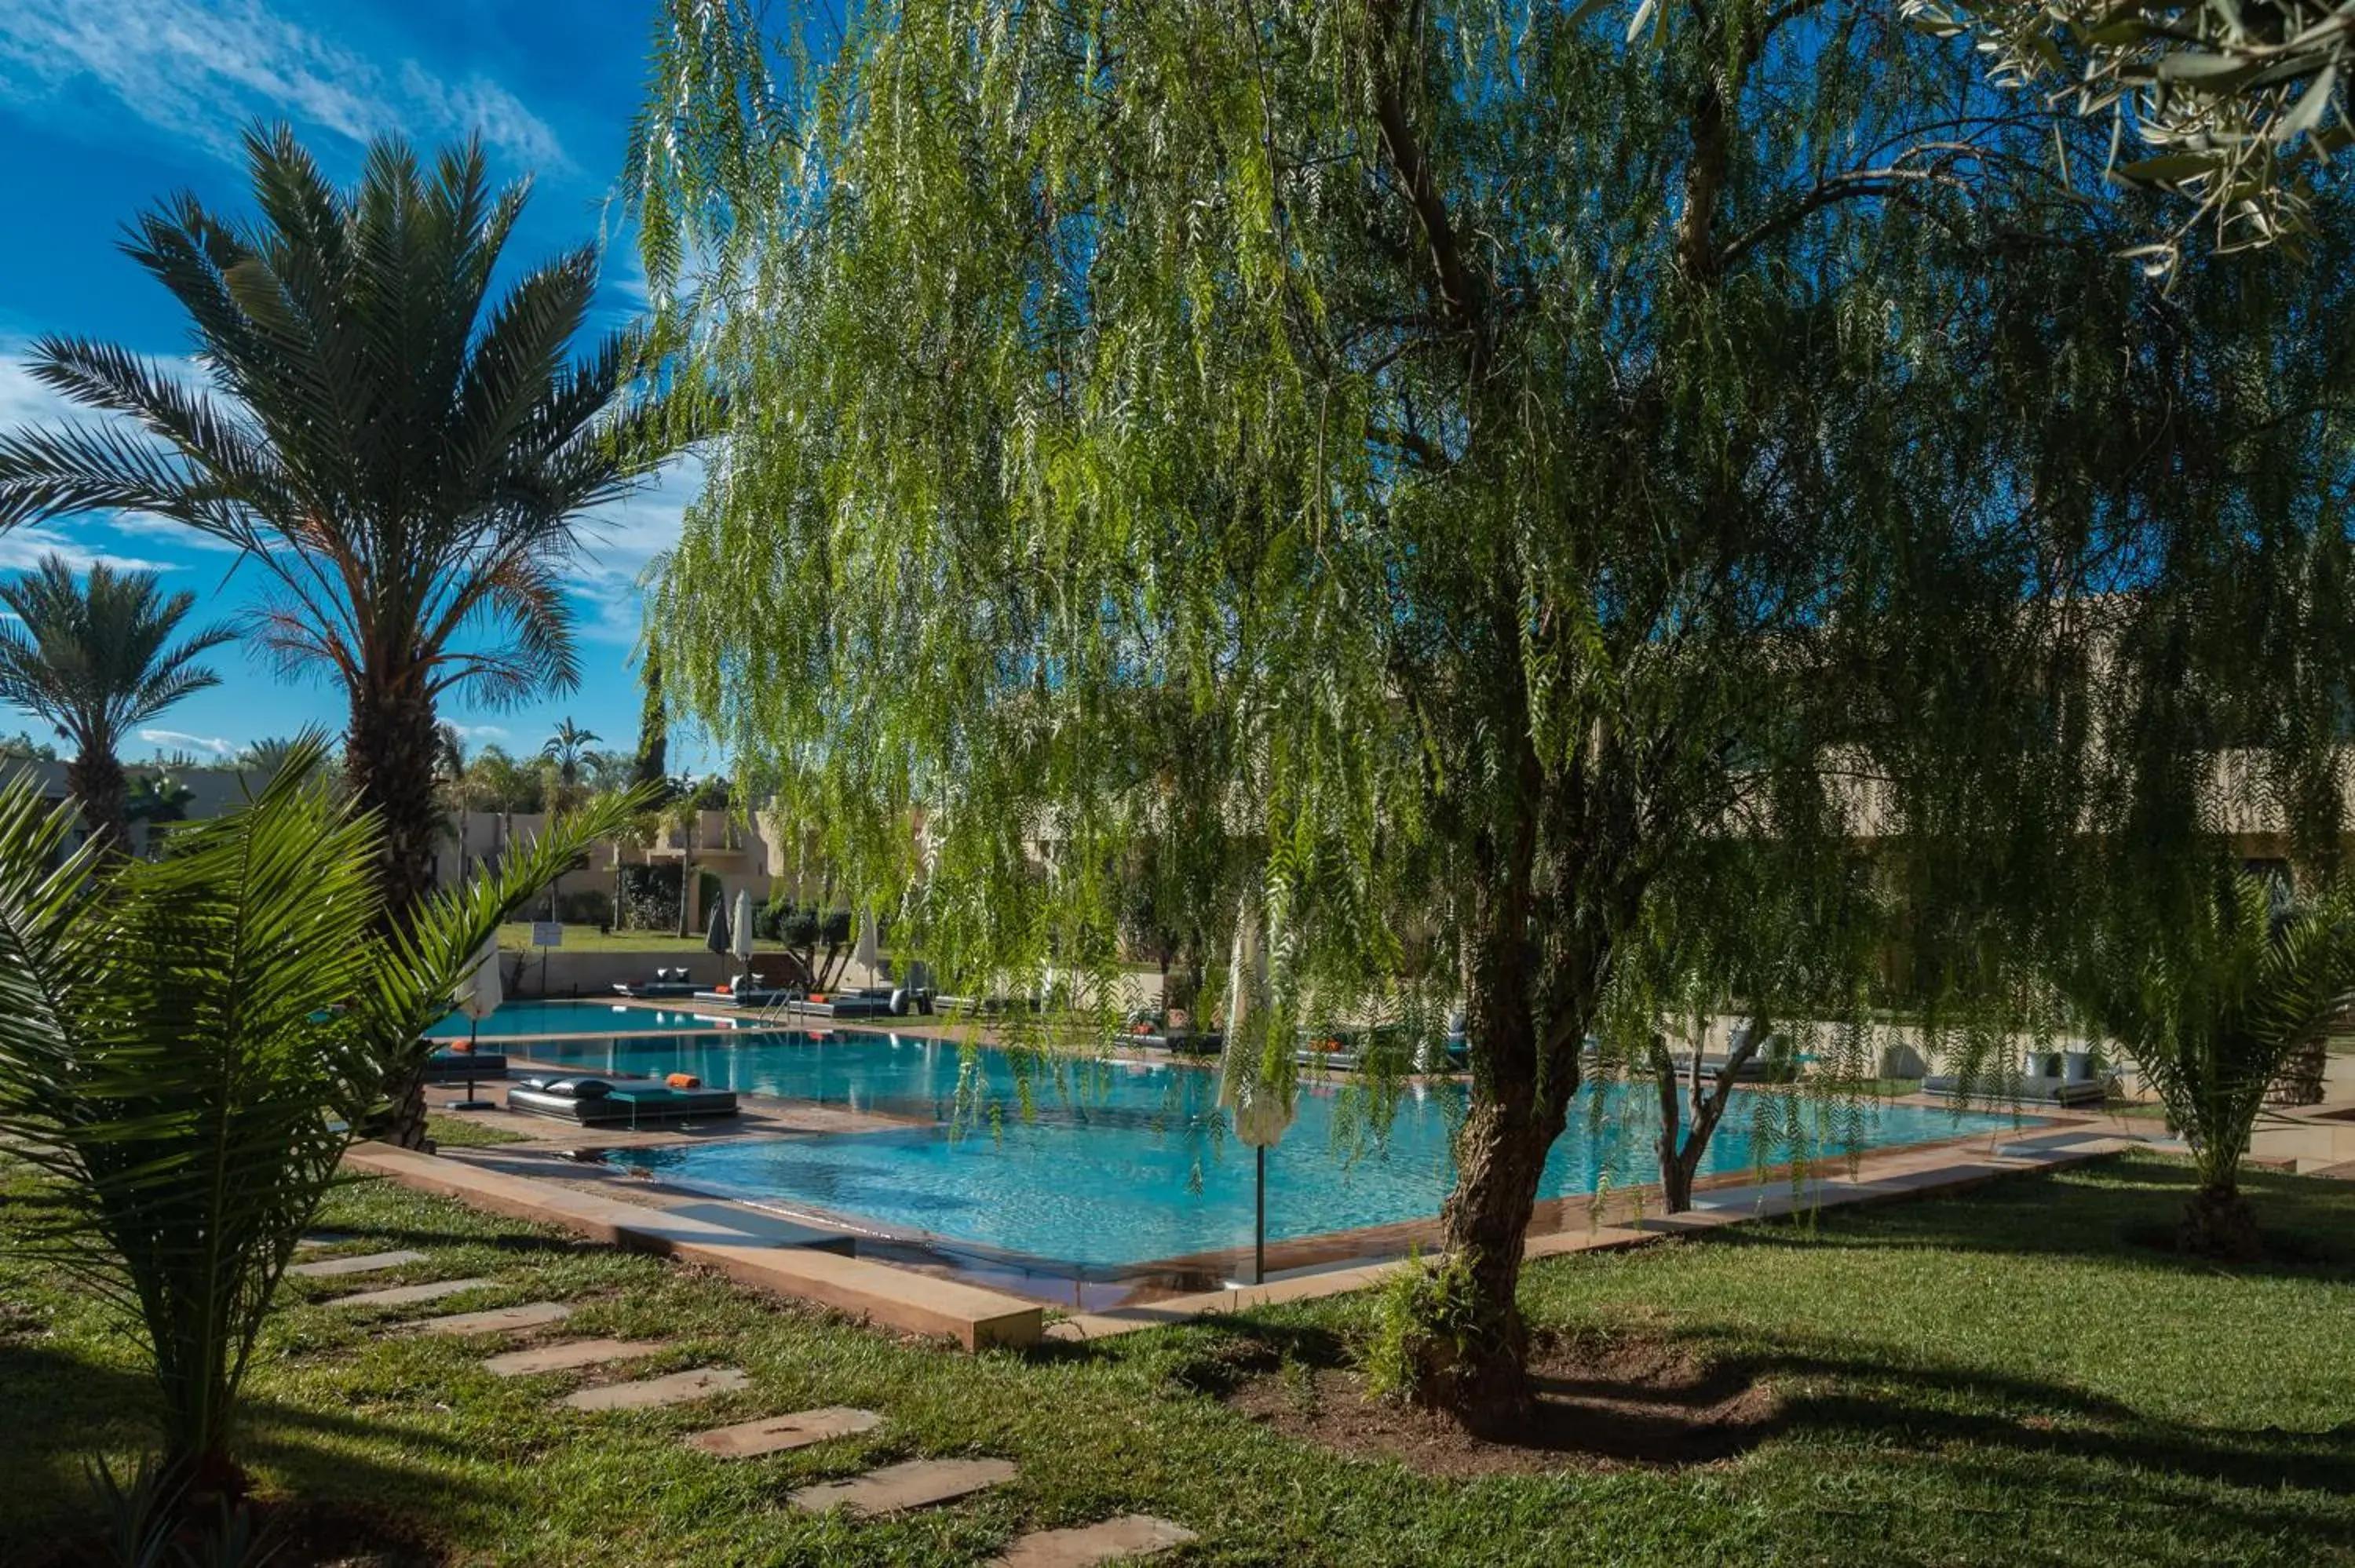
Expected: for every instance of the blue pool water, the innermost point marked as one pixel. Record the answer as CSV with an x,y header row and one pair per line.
x,y
516,1018
1123,1164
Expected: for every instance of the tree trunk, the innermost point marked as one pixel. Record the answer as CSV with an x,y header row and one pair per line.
x,y
388,761
1681,1148
687,876
1474,1366
2217,1222
1478,1371
96,781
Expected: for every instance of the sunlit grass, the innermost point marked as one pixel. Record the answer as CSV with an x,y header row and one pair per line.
x,y
2008,1376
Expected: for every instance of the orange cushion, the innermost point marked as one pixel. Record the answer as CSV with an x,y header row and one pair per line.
x,y
684,1081
817,996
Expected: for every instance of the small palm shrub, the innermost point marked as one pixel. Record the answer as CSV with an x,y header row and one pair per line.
x,y
2212,1001
186,1044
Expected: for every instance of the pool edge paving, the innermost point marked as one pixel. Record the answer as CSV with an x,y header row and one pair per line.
x,y
899,1298
977,1318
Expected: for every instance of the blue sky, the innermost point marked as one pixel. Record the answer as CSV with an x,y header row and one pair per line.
x,y
106,105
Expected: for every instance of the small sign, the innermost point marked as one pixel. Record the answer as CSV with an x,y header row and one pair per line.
x,y
547,933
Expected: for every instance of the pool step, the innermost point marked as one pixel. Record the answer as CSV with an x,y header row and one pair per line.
x,y
1131,1535
409,1294
776,1434
367,1263
565,1355
499,1320
677,1388
896,1488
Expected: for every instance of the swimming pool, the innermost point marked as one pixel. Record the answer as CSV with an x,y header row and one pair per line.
x,y
1127,1164
590,1018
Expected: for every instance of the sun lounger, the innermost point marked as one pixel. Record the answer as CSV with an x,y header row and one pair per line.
x,y
459,1067
731,998
2039,1088
840,1004
1762,1068
1154,1030
627,1102
667,982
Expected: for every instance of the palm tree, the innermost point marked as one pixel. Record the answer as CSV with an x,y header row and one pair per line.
x,y
568,748
95,658
2210,1003
450,766
402,454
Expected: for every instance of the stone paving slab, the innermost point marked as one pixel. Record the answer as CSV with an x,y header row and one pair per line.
x,y
896,1297
676,1389
1130,1535
499,1320
367,1263
570,1353
322,1239
409,1294
775,1434
895,1489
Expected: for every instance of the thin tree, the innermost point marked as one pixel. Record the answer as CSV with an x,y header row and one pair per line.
x,y
389,426
95,657
450,772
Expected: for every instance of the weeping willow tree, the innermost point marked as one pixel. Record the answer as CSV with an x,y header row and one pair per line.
x,y
1427,472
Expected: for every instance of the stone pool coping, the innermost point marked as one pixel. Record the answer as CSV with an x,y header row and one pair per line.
x,y
976,1319
800,1266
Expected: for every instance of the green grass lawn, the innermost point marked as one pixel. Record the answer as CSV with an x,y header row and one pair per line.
x,y
515,937
457,1132
2004,1377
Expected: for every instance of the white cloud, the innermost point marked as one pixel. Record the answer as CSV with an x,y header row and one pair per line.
x,y
23,401
480,731
201,71
22,547
179,740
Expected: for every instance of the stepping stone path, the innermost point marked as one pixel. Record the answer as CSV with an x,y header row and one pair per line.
x,y
322,1239
775,1434
367,1263
570,1353
676,1389
1130,1535
409,1294
895,1489
499,1320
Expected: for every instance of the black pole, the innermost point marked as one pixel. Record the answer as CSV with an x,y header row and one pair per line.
x,y
1259,1225
473,1040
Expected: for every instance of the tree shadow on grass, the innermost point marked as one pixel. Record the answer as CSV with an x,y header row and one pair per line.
x,y
2222,1494
2118,1211
62,1411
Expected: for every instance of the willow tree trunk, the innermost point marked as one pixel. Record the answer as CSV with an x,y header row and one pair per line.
x,y
388,761
1474,1367
96,781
